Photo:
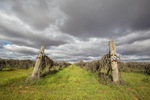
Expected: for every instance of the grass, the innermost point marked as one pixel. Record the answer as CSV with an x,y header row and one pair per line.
x,y
72,83
8,76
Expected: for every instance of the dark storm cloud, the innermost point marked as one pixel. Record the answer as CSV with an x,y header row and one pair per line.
x,y
38,14
74,30
15,31
20,37
105,17
34,13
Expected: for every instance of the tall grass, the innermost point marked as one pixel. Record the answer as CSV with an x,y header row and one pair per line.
x,y
72,83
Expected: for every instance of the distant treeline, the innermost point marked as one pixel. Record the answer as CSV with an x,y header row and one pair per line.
x,y
93,66
61,64
10,64
143,67
96,65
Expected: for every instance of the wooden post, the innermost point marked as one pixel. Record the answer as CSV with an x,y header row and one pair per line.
x,y
36,71
113,61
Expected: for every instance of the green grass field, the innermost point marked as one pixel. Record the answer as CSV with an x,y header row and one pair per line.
x,y
72,83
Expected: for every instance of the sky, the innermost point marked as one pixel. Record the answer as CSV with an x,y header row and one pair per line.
x,y
74,30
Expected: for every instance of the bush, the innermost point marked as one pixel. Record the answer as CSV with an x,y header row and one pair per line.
x,y
140,67
61,64
10,64
92,66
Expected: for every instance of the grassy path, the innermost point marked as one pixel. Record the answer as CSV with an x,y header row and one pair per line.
x,y
74,83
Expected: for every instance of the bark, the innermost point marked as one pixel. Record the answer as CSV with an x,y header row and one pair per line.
x,y
113,61
36,71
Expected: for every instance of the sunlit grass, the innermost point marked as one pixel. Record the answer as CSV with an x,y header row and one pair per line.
x,y
72,83
6,76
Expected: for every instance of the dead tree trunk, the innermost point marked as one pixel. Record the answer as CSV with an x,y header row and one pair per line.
x,y
113,61
36,71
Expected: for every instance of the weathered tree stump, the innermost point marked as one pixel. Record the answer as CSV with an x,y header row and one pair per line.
x,y
36,71
113,61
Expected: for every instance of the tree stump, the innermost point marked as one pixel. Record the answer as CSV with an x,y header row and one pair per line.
x,y
36,71
113,61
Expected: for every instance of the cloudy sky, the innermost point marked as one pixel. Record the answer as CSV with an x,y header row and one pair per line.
x,y
73,30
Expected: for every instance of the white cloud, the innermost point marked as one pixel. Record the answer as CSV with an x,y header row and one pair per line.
x,y
134,37
16,48
86,50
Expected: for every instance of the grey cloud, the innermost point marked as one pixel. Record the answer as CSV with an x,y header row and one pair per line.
x,y
12,31
7,54
137,48
74,30
105,17
38,14
32,12
133,37
136,58
30,39
20,49
81,50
